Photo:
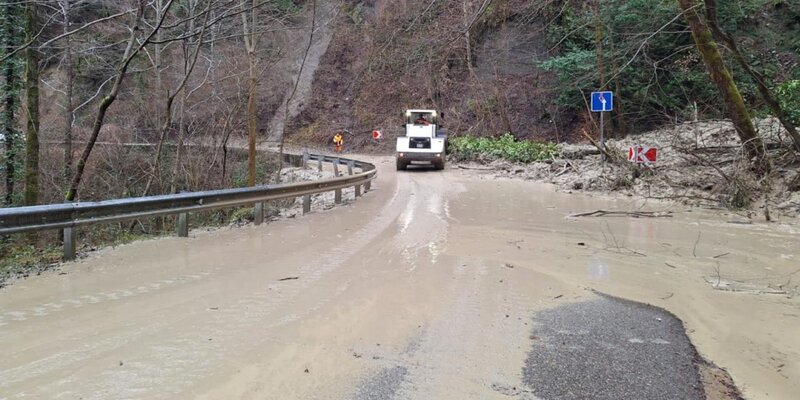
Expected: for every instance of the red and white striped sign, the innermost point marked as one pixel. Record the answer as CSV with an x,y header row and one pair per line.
x,y
377,135
642,154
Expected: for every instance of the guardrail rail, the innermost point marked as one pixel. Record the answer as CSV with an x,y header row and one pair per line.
x,y
70,216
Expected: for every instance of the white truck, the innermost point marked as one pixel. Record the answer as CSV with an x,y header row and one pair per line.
x,y
424,141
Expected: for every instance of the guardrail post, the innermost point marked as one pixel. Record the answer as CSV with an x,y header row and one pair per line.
x,y
319,166
358,190
337,196
183,225
350,165
368,186
306,204
70,244
306,157
258,213
336,167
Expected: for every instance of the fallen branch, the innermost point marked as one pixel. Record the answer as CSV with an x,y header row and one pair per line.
x,y
475,168
632,214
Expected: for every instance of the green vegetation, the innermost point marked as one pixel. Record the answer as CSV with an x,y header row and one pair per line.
x,y
789,96
505,147
650,59
23,260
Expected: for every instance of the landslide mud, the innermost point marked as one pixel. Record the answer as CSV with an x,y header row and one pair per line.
x,y
427,284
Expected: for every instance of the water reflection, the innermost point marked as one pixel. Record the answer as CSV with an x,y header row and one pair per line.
x,y
597,270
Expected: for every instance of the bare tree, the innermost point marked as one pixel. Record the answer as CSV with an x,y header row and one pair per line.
x,y
131,50
172,94
190,60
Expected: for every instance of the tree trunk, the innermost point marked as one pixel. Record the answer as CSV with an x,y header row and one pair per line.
x,y
763,90
734,103
250,39
601,64
251,122
157,50
179,146
69,113
32,107
10,101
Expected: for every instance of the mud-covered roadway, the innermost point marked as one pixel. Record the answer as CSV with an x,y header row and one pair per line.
x,y
434,285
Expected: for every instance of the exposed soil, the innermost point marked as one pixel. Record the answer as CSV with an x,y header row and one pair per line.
x,y
381,61
717,382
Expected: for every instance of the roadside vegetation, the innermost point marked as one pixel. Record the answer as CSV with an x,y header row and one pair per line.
x,y
505,147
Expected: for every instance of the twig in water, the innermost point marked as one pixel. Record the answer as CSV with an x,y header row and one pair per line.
x,y
721,255
696,242
612,236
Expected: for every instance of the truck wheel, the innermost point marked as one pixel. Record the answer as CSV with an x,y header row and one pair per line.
x,y
439,166
401,166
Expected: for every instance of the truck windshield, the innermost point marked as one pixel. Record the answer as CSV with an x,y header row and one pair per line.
x,y
422,119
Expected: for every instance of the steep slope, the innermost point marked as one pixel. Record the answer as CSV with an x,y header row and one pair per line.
x,y
303,60
388,56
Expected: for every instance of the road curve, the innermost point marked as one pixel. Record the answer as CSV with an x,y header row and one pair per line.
x,y
434,285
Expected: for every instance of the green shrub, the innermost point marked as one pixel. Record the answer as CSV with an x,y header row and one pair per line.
x,y
789,96
505,147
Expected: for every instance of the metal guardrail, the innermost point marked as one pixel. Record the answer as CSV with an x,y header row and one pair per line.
x,y
69,216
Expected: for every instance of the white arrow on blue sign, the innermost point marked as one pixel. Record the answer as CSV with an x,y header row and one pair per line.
x,y
602,101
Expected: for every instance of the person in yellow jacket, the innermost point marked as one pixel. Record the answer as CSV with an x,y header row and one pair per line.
x,y
338,141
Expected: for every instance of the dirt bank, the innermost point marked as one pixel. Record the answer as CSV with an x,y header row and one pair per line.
x,y
698,164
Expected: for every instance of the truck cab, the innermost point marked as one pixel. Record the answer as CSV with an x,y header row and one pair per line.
x,y
424,140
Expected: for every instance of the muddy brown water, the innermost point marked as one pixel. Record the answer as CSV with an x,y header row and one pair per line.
x,y
429,283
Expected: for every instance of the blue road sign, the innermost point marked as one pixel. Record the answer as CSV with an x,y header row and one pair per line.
x,y
602,101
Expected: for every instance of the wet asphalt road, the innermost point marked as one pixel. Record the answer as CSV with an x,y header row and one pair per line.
x,y
601,349
611,349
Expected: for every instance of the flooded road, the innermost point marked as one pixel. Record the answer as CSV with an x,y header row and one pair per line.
x,y
429,287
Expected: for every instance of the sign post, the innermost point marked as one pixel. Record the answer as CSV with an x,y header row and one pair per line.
x,y
602,102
